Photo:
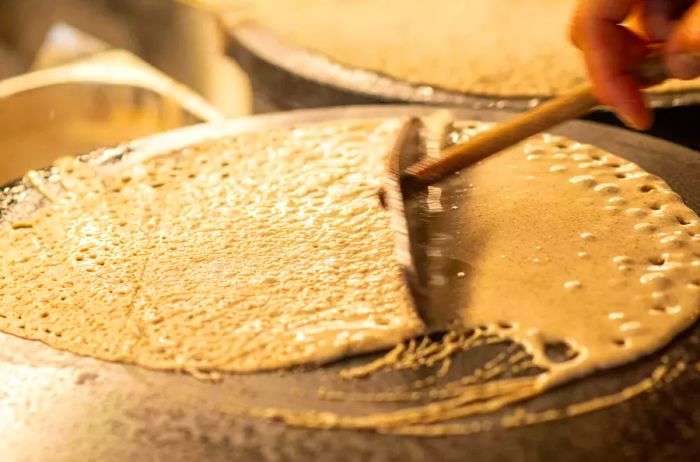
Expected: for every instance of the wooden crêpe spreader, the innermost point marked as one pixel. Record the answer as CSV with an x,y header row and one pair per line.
x,y
59,406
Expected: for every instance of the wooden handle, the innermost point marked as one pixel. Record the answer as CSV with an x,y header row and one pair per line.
x,y
649,72
545,116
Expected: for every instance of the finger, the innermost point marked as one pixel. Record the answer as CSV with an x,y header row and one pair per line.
x,y
590,15
608,63
682,51
609,51
657,19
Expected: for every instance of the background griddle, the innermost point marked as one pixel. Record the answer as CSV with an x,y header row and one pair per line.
x,y
285,76
59,406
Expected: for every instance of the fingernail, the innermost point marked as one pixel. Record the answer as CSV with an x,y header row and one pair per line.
x,y
631,123
627,120
683,66
635,122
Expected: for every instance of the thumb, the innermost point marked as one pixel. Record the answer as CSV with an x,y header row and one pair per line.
x,y
656,20
682,51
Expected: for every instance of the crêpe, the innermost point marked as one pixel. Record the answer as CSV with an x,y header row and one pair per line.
x,y
270,249
262,251
493,47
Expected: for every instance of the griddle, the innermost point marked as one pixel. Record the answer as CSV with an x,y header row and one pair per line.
x,y
59,406
285,76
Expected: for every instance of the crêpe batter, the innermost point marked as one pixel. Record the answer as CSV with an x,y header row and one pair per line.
x,y
270,249
599,259
494,47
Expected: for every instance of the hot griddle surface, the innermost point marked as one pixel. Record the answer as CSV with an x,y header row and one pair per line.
x,y
59,406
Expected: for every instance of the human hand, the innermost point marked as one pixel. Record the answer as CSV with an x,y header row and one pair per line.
x,y
616,34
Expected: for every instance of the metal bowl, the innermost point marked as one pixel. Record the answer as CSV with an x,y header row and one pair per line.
x,y
107,99
176,37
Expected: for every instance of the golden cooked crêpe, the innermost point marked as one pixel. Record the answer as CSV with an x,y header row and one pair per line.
x,y
262,251
495,47
270,249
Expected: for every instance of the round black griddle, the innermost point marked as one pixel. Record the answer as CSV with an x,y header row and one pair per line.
x,y
58,406
285,76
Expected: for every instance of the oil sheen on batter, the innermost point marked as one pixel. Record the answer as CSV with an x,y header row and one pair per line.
x,y
270,249
496,47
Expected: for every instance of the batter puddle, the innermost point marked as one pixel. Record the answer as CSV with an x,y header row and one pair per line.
x,y
270,249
